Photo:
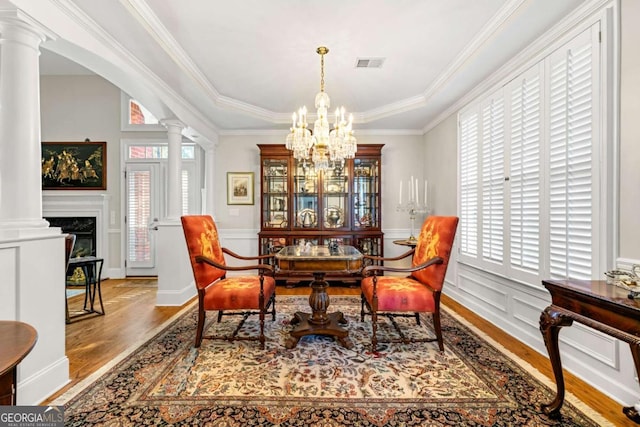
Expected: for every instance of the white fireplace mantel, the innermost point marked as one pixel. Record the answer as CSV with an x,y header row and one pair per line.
x,y
80,203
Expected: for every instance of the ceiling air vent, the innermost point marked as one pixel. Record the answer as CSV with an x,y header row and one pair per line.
x,y
369,62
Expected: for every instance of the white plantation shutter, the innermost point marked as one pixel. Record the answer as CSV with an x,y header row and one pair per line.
x,y
493,180
138,216
524,173
468,228
185,191
570,159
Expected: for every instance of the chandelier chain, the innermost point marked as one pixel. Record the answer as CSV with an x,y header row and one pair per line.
x,y
322,72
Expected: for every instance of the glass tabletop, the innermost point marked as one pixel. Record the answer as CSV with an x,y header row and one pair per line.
x,y
297,252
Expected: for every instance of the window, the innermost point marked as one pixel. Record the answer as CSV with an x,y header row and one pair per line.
x,y
527,169
159,151
135,117
138,115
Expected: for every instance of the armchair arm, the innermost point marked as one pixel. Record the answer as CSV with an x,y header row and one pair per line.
x,y
261,267
235,255
399,257
373,269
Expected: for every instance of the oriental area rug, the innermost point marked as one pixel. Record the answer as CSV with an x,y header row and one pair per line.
x,y
166,381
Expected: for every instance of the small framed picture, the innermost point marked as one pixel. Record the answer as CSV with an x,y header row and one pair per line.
x,y
240,188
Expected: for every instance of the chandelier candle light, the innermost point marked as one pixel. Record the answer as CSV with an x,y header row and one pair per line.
x,y
413,206
324,145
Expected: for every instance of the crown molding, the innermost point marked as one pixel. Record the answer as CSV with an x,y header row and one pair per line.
x,y
282,133
533,53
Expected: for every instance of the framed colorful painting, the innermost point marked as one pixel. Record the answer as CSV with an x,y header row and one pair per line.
x,y
74,165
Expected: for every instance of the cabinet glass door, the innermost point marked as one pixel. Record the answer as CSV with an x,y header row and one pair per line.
x,y
275,206
366,193
335,198
305,200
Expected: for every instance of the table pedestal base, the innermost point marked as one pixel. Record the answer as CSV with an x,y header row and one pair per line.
x,y
305,327
319,322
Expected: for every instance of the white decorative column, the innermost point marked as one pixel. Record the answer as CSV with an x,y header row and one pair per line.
x,y
32,289
209,179
174,270
174,187
20,165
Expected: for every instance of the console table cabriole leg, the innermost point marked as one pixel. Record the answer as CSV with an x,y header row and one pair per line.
x,y
633,412
551,321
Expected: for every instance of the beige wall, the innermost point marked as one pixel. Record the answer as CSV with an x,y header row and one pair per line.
x,y
441,160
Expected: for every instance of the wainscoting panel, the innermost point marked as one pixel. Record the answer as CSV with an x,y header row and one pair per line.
x,y
8,266
595,344
483,291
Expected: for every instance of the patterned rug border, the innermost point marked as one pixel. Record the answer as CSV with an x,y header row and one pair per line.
x,y
569,397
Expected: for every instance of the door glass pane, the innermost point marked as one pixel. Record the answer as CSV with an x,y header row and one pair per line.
x,y
139,212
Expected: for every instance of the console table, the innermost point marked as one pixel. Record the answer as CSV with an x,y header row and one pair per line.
x,y
594,303
319,260
92,268
16,341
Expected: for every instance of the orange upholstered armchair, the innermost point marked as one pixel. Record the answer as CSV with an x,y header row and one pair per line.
x,y
235,295
414,294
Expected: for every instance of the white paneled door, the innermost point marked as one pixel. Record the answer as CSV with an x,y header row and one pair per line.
x,y
143,195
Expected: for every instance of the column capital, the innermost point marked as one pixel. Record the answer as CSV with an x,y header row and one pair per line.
x,y
173,124
15,24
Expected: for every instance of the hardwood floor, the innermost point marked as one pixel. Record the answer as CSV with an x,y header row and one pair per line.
x,y
131,312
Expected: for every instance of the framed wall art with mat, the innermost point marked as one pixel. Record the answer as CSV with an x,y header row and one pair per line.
x,y
240,188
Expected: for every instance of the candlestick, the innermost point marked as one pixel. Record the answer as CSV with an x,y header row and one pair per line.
x,y
413,206
411,189
426,185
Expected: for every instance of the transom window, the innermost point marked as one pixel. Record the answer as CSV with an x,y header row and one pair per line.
x,y
160,151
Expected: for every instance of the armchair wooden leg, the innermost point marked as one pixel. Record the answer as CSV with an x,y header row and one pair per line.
x,y
438,329
436,320
273,307
200,327
220,312
262,338
374,327
362,302
417,318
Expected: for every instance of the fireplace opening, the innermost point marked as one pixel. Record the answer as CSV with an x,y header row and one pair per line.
x,y
84,227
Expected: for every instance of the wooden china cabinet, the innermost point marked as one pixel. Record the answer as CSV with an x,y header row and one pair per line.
x,y
299,204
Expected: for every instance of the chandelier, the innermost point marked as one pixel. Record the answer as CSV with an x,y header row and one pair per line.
x,y
324,145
